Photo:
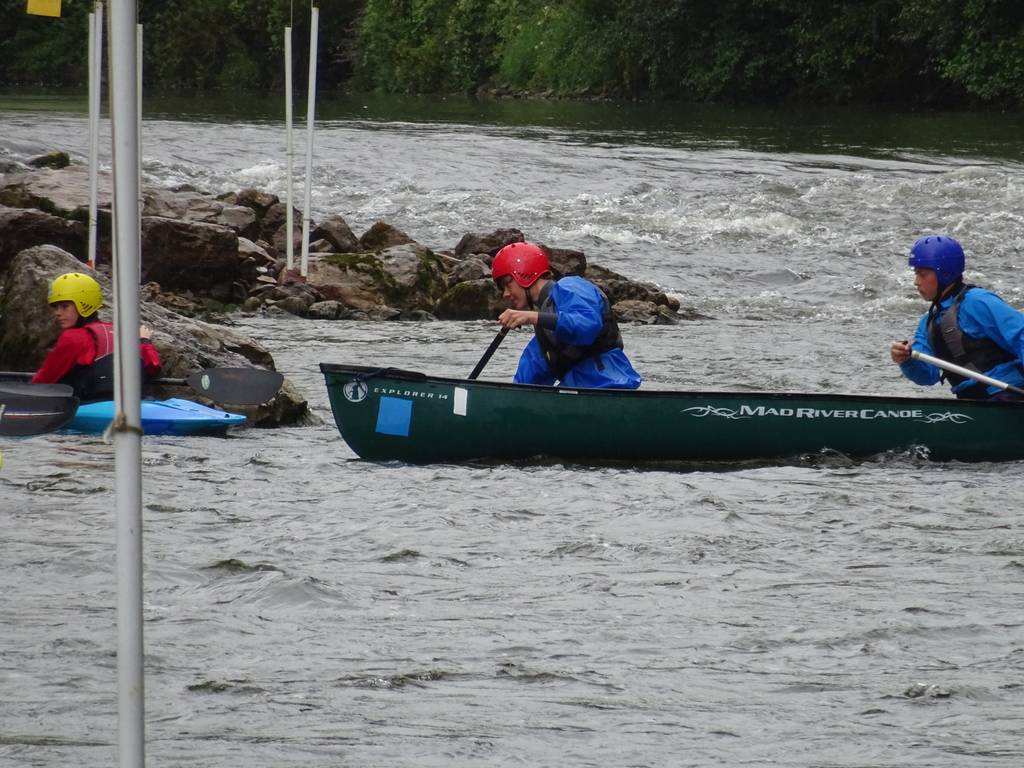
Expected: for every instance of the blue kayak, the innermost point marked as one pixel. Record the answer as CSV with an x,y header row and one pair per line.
x,y
159,417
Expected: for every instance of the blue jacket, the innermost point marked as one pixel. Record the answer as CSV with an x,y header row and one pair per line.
x,y
982,315
579,319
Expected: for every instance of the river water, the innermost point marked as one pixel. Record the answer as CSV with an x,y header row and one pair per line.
x,y
306,608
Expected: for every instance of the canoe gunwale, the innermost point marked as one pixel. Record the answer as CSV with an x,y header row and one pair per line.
x,y
364,372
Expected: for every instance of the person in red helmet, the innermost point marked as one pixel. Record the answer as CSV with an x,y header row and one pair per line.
x,y
965,325
84,353
576,340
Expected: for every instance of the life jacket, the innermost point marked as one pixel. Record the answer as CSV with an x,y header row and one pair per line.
x,y
95,381
561,357
952,344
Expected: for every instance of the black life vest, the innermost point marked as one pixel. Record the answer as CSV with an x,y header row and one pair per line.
x,y
952,344
95,381
561,357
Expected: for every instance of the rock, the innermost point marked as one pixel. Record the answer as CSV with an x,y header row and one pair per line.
x,y
619,288
293,305
487,242
471,300
258,201
209,253
27,328
417,278
471,268
27,332
647,312
182,254
22,228
279,237
195,207
335,230
63,192
381,236
326,310
357,280
565,261
384,313
419,315
51,160
252,260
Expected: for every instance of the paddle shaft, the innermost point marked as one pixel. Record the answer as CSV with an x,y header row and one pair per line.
x,y
27,376
965,372
242,386
489,353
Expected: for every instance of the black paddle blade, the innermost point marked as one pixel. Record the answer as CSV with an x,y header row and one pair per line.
x,y
23,414
241,386
35,390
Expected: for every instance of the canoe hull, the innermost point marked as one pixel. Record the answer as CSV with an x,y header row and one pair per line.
x,y
384,414
159,417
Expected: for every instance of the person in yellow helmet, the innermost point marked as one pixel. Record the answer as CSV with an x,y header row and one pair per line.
x,y
83,355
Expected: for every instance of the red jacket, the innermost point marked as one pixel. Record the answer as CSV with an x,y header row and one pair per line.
x,y
78,347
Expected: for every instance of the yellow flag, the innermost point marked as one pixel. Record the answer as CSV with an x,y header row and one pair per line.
x,y
44,7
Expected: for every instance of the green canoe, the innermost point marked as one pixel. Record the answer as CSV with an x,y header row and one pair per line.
x,y
389,414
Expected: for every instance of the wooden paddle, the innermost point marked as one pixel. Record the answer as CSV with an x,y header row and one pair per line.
x,y
240,386
489,353
34,409
965,372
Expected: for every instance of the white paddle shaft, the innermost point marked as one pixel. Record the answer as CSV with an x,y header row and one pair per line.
x,y
965,372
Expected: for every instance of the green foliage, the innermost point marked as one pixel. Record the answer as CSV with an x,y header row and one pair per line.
x,y
38,50
988,59
946,52
932,51
195,44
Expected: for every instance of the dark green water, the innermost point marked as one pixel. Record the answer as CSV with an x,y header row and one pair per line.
x,y
858,131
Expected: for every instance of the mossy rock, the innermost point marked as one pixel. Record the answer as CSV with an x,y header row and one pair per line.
x,y
470,300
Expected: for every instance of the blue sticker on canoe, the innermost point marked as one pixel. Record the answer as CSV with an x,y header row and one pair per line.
x,y
393,416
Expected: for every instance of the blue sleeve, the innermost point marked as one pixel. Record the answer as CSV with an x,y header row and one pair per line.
x,y
533,368
918,371
984,315
580,311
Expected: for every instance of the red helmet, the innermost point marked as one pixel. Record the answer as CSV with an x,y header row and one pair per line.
x,y
526,262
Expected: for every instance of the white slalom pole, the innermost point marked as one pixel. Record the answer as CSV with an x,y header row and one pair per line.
x,y
290,145
138,100
314,21
127,427
95,80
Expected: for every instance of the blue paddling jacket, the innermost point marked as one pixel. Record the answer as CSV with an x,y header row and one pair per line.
x,y
991,336
576,332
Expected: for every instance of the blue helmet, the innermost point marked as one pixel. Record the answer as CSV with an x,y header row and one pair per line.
x,y
941,253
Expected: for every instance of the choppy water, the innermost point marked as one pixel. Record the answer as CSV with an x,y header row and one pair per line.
x,y
307,608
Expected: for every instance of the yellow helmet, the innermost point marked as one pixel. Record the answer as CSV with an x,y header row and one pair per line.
x,y
78,288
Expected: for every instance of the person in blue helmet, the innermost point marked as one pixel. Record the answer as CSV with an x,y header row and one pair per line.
x,y
576,340
965,325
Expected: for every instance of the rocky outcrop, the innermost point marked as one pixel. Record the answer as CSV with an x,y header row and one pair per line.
x,y
27,332
22,228
207,255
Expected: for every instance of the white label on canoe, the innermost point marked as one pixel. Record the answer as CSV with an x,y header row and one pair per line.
x,y
461,398
355,391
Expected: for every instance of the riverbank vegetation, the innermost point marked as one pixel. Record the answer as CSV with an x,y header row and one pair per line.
x,y
951,53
